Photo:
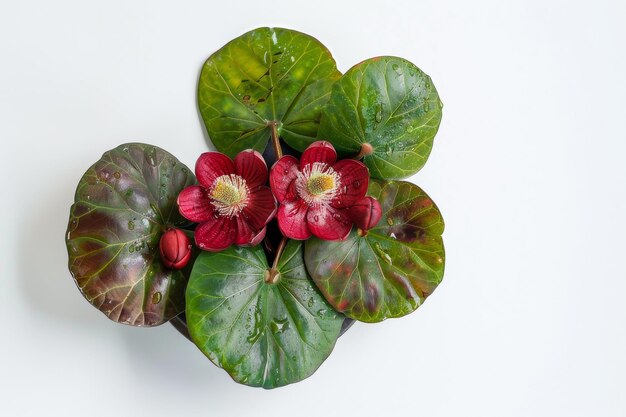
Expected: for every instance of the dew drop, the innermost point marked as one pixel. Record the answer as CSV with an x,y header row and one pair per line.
x,y
426,107
257,331
117,175
151,157
316,218
279,325
321,313
286,172
310,302
395,67
131,225
389,221
156,298
384,255
356,183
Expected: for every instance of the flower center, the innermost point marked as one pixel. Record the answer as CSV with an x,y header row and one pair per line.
x,y
229,195
317,183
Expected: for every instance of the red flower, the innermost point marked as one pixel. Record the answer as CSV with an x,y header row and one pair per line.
x,y
315,193
232,202
175,249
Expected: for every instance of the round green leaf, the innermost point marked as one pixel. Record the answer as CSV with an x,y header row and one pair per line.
x,y
262,334
266,77
392,105
391,270
123,204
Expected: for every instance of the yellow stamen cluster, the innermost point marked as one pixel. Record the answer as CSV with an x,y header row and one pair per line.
x,y
317,183
229,195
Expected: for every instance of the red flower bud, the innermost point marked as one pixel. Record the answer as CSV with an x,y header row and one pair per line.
x,y
175,249
366,213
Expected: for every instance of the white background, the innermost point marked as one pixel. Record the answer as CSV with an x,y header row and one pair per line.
x,y
528,169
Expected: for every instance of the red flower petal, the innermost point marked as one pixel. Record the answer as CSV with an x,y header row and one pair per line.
x,y
282,175
292,220
329,223
246,237
244,233
354,180
260,209
216,234
211,165
252,167
259,237
320,151
194,204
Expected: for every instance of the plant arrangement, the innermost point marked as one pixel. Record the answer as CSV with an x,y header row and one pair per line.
x,y
295,227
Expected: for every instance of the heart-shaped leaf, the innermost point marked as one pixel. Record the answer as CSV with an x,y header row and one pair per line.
x,y
391,270
392,105
123,204
266,78
263,334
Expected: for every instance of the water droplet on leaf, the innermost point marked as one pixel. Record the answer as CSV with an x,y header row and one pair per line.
x,y
382,254
258,327
279,325
151,157
156,298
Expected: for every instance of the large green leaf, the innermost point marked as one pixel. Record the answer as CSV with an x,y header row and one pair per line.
x,y
262,334
391,270
392,105
266,76
123,204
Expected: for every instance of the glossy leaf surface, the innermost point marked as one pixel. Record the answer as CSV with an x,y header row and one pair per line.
x,y
390,104
262,334
123,204
390,271
264,77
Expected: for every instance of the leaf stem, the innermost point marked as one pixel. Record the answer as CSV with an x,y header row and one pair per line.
x,y
272,275
366,149
278,150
